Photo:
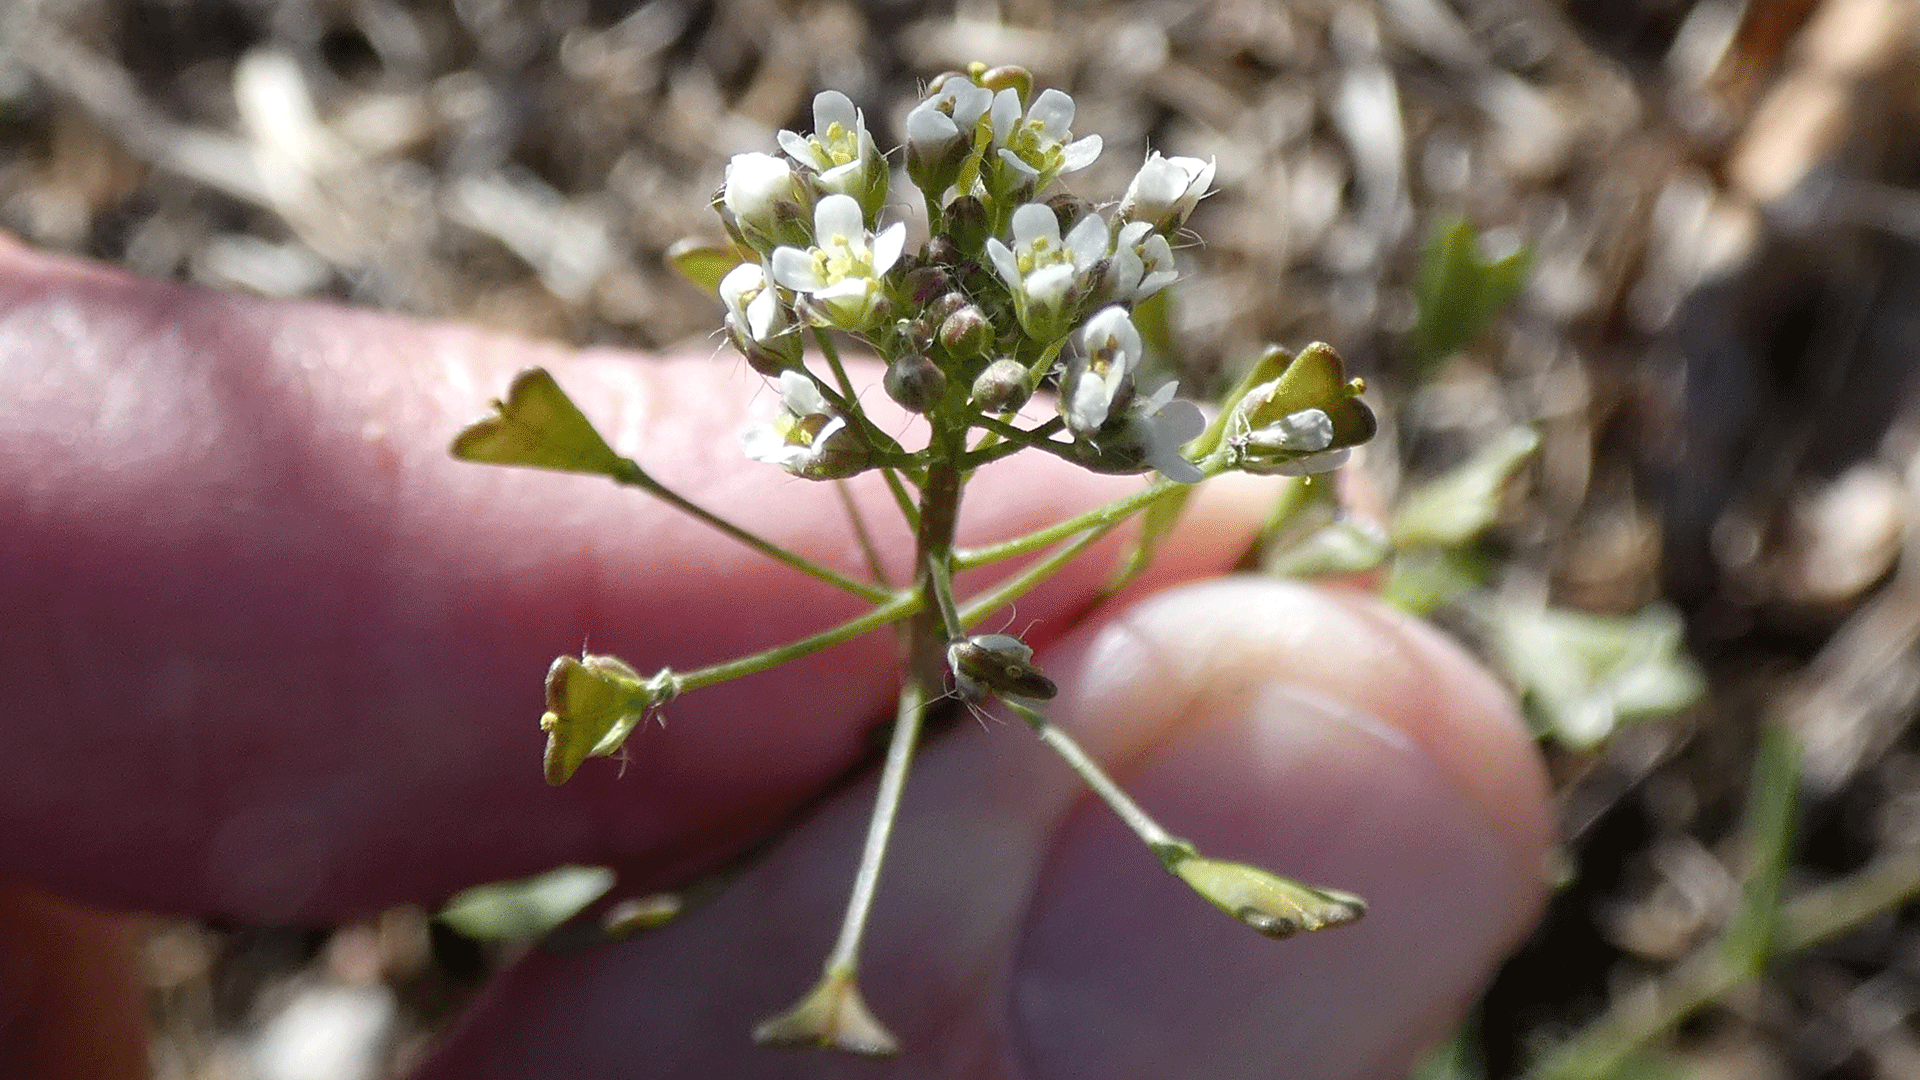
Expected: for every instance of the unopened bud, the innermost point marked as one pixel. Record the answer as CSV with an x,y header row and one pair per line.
x,y
1069,208
966,223
916,382
1002,387
925,282
1008,75
967,332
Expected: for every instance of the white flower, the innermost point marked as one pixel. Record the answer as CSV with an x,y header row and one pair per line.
x,y
757,323
841,273
1165,191
940,132
1041,270
1110,348
841,151
809,438
1142,263
1158,426
762,198
1035,145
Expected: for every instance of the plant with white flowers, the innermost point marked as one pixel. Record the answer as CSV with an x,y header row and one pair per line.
x,y
1008,296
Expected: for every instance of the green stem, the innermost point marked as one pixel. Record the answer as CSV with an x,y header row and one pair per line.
x,y
1102,517
1148,830
898,606
886,807
858,522
926,679
1020,584
875,437
632,475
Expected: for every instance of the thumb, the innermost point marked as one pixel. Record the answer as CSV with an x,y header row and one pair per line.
x,y
1022,932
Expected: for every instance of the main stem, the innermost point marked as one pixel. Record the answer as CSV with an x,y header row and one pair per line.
x,y
926,680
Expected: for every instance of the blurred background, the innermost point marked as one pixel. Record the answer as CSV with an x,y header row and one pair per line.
x,y
1716,204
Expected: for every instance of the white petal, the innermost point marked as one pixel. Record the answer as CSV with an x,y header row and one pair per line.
x,y
1182,420
844,179
928,126
888,246
1053,111
1080,153
1032,221
1087,408
839,216
762,442
1013,161
1047,286
754,183
798,147
800,396
738,282
794,269
1087,241
763,315
830,107
1005,114
1003,262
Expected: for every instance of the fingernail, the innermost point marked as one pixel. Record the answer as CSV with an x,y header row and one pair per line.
x,y
1123,971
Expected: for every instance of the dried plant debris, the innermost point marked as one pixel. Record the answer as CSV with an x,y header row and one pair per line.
x,y
1713,344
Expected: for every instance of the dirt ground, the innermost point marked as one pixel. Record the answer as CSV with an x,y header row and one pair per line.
x,y
1716,344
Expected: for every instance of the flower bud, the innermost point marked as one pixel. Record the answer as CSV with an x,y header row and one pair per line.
x,y
923,283
1068,209
915,382
1013,76
944,305
965,220
967,332
942,251
1165,191
1002,387
762,198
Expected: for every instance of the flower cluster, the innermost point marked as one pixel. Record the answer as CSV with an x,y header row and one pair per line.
x,y
1014,290
1007,295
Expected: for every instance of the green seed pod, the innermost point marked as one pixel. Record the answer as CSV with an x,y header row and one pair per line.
x,y
997,664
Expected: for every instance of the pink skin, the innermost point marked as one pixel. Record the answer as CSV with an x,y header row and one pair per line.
x,y
270,654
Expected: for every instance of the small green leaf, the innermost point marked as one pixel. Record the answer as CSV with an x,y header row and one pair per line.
x,y
1583,674
1344,544
526,908
539,426
1459,292
1458,506
704,264
1422,582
